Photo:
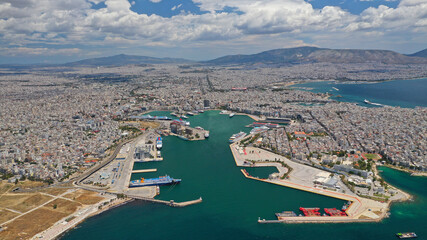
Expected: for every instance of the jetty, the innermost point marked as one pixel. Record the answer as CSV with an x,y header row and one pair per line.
x,y
171,203
145,170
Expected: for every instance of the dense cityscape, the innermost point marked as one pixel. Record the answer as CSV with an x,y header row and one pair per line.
x,y
58,121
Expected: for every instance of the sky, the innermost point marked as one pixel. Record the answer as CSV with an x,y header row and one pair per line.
x,y
58,31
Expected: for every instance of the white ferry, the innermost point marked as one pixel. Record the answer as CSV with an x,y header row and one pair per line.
x,y
237,137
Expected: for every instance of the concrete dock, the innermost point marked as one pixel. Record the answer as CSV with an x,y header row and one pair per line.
x,y
145,170
171,203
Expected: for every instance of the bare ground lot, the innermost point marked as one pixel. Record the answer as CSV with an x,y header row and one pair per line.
x,y
22,202
84,197
31,224
27,224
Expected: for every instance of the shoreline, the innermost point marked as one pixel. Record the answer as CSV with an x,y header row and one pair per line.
x,y
358,81
411,172
54,233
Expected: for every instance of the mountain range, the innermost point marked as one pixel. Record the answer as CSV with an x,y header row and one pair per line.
x,y
277,57
320,55
122,59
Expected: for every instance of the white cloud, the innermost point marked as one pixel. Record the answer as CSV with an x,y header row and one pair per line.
x,y
74,22
17,51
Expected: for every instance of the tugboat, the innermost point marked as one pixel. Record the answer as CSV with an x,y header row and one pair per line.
x,y
406,235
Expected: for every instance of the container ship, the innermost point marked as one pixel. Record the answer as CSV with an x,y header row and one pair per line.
x,y
159,143
406,235
237,137
163,180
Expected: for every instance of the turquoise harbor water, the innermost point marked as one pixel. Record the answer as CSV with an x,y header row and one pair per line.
x,y
232,204
403,93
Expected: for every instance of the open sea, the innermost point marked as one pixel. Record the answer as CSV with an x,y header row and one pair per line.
x,y
232,204
403,93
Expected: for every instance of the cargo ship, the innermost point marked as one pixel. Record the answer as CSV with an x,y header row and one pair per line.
x,y
163,180
159,143
310,212
334,212
406,235
237,137
284,214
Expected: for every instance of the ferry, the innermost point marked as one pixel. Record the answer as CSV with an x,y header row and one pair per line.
x,y
269,125
369,102
163,180
159,143
406,235
237,137
231,115
261,129
182,122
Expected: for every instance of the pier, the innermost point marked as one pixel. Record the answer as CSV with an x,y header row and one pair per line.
x,y
144,170
171,203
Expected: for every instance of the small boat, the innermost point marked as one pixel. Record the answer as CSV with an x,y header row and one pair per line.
x,y
183,116
335,88
190,113
231,115
206,134
406,235
201,111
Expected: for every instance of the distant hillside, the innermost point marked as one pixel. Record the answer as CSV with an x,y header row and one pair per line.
x,y
313,55
422,53
122,59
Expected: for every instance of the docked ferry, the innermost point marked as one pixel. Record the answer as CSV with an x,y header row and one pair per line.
x,y
164,180
261,129
237,137
159,143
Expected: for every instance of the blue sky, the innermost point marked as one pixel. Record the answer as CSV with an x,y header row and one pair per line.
x,y
52,31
